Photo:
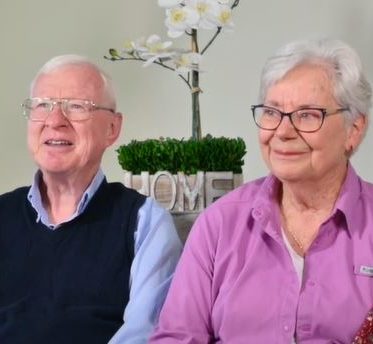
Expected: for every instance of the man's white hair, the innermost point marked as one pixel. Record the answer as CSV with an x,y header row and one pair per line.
x,y
68,60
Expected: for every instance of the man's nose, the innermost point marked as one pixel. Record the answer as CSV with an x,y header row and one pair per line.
x,y
56,114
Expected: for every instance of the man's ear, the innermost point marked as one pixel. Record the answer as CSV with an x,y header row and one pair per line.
x,y
114,128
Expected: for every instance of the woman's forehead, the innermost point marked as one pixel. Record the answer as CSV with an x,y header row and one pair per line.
x,y
307,85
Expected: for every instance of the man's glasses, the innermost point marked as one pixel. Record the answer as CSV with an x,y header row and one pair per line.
x,y
306,120
38,109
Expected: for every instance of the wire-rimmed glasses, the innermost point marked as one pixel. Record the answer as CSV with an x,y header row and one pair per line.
x,y
38,109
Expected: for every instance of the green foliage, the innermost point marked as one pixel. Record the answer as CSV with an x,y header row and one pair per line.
x,y
189,156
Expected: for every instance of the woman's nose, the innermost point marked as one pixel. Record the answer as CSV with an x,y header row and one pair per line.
x,y
286,127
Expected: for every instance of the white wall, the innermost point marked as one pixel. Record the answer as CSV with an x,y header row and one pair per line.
x,y
155,102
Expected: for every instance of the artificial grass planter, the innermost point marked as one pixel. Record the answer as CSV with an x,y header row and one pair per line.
x,y
189,156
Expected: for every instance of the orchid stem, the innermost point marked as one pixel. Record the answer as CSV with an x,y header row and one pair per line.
x,y
121,58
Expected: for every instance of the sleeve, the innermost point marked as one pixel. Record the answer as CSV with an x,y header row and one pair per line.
x,y
157,251
186,314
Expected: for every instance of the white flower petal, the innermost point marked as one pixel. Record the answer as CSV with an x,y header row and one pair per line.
x,y
148,62
181,19
221,16
129,47
174,33
166,44
153,39
186,62
206,10
225,15
207,24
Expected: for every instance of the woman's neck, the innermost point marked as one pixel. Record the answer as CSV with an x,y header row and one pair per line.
x,y
319,195
305,206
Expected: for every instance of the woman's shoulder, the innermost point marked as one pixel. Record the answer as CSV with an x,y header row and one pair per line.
x,y
243,198
367,191
226,219
248,192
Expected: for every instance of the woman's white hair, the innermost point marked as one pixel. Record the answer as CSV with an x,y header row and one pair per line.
x,y
351,88
68,60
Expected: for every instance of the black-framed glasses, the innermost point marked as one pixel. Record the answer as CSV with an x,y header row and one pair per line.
x,y
306,120
38,109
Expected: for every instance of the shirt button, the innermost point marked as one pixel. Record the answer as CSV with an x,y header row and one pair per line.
x,y
286,328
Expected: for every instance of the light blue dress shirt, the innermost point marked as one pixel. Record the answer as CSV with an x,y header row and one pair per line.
x,y
157,251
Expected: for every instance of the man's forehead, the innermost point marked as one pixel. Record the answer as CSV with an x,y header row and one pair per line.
x,y
74,71
73,78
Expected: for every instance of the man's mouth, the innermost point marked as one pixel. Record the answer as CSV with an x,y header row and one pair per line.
x,y
58,143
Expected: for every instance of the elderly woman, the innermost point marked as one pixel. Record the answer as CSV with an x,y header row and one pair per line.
x,y
287,258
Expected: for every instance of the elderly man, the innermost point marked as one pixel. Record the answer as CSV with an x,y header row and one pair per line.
x,y
81,260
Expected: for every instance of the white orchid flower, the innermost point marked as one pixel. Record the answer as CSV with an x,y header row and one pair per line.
x,y
180,19
128,47
169,3
151,44
223,2
186,62
155,44
152,49
222,17
205,10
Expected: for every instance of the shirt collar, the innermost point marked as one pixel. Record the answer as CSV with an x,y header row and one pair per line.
x,y
268,193
34,197
348,199
346,204
265,206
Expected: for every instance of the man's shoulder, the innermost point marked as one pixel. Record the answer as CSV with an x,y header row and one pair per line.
x,y
14,195
150,205
122,197
119,189
13,201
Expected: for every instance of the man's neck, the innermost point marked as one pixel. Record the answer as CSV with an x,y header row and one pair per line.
x,y
61,195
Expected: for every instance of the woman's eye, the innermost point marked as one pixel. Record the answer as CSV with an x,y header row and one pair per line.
x,y
309,114
304,114
269,113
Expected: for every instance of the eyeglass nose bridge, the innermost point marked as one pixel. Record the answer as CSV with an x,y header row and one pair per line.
x,y
286,114
61,102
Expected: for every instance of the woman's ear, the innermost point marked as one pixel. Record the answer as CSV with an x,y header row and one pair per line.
x,y
356,132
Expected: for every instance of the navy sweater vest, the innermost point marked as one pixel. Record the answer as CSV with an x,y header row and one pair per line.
x,y
69,285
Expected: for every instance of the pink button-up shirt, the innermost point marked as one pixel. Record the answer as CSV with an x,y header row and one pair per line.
x,y
236,282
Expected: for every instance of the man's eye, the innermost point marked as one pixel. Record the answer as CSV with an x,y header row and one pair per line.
x,y
42,106
77,107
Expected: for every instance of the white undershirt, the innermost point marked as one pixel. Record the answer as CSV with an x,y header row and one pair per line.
x,y
298,262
